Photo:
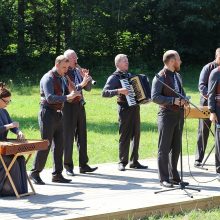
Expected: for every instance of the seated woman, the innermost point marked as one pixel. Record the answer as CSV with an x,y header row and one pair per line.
x,y
18,170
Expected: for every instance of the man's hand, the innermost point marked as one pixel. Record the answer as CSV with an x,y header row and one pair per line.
x,y
73,95
123,91
84,72
20,136
213,118
86,79
180,102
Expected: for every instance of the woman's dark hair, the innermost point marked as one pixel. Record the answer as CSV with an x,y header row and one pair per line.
x,y
4,92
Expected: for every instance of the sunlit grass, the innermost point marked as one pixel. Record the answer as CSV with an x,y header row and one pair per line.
x,y
212,214
102,121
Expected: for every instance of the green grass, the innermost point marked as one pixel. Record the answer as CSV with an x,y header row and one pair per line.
x,y
212,214
102,120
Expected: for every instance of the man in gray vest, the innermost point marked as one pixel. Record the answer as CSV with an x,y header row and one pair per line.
x,y
129,116
170,118
204,124
75,118
214,107
52,89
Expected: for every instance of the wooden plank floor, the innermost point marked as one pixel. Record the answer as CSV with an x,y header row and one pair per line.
x,y
111,194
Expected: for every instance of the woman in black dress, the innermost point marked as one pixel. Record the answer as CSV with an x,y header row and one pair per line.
x,y
18,170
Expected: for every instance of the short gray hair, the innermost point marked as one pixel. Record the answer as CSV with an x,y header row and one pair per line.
x,y
168,55
68,52
118,58
60,59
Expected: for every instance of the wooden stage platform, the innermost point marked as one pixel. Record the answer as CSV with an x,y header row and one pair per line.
x,y
111,194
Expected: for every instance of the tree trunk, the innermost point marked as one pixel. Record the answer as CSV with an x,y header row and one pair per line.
x,y
68,18
21,25
58,24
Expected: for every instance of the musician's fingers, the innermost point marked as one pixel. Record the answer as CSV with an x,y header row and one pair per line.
x,y
22,137
126,92
213,118
15,124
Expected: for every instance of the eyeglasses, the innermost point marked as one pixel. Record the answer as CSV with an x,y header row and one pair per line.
x,y
6,101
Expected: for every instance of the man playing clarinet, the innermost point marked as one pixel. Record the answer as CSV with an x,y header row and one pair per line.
x,y
75,118
129,116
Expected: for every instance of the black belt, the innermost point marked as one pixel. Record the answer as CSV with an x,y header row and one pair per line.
x,y
48,107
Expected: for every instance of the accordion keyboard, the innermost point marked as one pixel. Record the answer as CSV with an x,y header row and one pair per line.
x,y
131,95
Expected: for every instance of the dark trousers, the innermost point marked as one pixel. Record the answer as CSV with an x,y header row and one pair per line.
x,y
51,128
170,126
129,130
74,120
203,134
217,141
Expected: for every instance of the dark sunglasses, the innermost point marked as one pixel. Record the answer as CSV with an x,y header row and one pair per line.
x,y
6,101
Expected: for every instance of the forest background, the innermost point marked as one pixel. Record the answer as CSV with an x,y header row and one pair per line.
x,y
34,32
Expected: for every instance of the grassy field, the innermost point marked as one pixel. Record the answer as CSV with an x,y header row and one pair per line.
x,y
212,214
102,120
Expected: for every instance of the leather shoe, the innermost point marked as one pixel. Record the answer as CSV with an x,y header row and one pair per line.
x,y
137,165
197,164
35,177
178,182
166,184
218,170
121,167
70,173
58,178
87,169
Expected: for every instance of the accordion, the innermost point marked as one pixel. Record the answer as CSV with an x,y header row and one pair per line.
x,y
139,91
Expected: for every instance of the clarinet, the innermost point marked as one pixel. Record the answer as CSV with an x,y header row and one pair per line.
x,y
81,69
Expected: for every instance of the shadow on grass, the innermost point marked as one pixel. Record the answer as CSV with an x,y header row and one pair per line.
x,y
112,127
27,123
97,127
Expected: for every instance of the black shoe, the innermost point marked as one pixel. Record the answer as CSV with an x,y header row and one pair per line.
x,y
70,173
35,177
218,170
166,184
178,182
58,178
121,167
137,165
197,164
87,169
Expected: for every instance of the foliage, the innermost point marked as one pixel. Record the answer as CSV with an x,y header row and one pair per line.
x,y
99,29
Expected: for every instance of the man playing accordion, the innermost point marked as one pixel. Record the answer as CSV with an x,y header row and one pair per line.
x,y
129,116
